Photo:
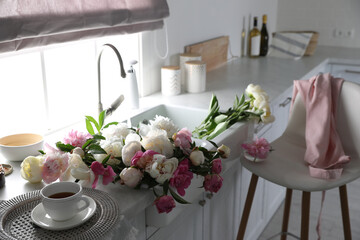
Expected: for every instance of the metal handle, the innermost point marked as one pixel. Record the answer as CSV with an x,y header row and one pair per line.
x,y
285,102
202,202
352,71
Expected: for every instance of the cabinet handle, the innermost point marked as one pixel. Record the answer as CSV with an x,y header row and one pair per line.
x,y
202,202
352,71
209,195
285,102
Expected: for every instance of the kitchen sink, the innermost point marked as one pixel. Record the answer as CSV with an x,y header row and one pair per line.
x,y
190,118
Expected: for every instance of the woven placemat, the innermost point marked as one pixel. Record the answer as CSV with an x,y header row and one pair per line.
x,y
16,223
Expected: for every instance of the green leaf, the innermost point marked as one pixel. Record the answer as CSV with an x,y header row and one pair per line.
x,y
87,143
221,127
213,143
166,187
42,152
178,198
89,127
98,137
106,159
112,123
64,147
101,119
92,120
96,149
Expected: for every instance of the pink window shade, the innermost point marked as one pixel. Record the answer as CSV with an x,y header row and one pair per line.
x,y
35,23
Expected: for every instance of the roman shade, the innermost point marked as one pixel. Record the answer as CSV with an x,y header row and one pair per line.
x,y
35,23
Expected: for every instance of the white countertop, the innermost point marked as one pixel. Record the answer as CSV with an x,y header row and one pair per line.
x,y
274,75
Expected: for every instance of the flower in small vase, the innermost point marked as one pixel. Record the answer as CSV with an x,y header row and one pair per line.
x,y
182,177
162,169
164,123
213,183
55,165
258,148
131,176
164,204
31,168
76,139
197,157
216,166
182,139
158,141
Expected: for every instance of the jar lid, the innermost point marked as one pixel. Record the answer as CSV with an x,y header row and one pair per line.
x,y
171,67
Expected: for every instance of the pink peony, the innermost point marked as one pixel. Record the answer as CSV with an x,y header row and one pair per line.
x,y
216,166
54,165
213,183
76,139
108,175
98,169
182,177
141,159
164,204
182,139
258,148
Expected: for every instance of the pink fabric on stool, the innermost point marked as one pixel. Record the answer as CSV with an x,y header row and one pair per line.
x,y
324,151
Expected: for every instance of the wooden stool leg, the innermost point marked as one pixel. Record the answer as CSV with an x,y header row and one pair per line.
x,y
345,212
286,215
247,207
305,215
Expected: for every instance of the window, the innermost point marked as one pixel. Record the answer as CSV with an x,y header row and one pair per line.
x,y
51,88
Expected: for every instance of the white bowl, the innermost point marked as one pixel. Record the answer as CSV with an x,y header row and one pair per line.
x,y
19,146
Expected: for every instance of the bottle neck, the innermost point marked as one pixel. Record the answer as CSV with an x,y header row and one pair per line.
x,y
255,22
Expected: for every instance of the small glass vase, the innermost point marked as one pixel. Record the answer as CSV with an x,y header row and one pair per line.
x,y
252,158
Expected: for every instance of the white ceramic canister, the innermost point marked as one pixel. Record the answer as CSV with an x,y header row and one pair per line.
x,y
170,80
195,76
185,57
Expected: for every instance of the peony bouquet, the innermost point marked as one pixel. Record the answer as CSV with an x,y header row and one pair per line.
x,y
254,106
157,155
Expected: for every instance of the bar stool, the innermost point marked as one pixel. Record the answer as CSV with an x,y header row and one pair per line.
x,y
286,166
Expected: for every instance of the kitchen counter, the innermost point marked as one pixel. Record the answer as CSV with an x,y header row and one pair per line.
x,y
274,75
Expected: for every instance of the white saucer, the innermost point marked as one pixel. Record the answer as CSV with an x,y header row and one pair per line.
x,y
43,220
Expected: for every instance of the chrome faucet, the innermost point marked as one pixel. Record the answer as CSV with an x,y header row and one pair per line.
x,y
119,100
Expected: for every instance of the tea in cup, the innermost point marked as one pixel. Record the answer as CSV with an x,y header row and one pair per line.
x,y
63,200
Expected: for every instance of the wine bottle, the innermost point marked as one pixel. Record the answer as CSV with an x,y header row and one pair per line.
x,y
264,42
254,41
243,35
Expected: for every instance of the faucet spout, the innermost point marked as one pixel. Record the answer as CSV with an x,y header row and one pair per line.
x,y
122,74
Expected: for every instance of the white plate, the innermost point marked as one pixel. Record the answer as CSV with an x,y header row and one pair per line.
x,y
43,220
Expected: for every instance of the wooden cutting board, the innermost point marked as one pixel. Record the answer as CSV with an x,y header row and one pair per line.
x,y
213,51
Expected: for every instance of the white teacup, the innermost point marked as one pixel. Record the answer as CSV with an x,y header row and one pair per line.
x,y
63,200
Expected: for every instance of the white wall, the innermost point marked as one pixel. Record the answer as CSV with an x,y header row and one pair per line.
x,y
323,16
194,21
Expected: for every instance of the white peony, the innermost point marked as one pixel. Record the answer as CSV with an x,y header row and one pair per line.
x,y
132,137
266,117
197,157
31,168
224,151
120,131
131,176
164,123
129,151
158,141
161,168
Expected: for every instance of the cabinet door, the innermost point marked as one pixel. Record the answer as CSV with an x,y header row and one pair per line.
x,y
222,210
188,225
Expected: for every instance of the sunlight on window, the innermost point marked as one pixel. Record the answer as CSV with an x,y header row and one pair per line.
x,y
68,87
22,105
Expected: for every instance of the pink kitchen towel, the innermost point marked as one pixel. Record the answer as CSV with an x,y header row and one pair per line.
x,y
324,151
